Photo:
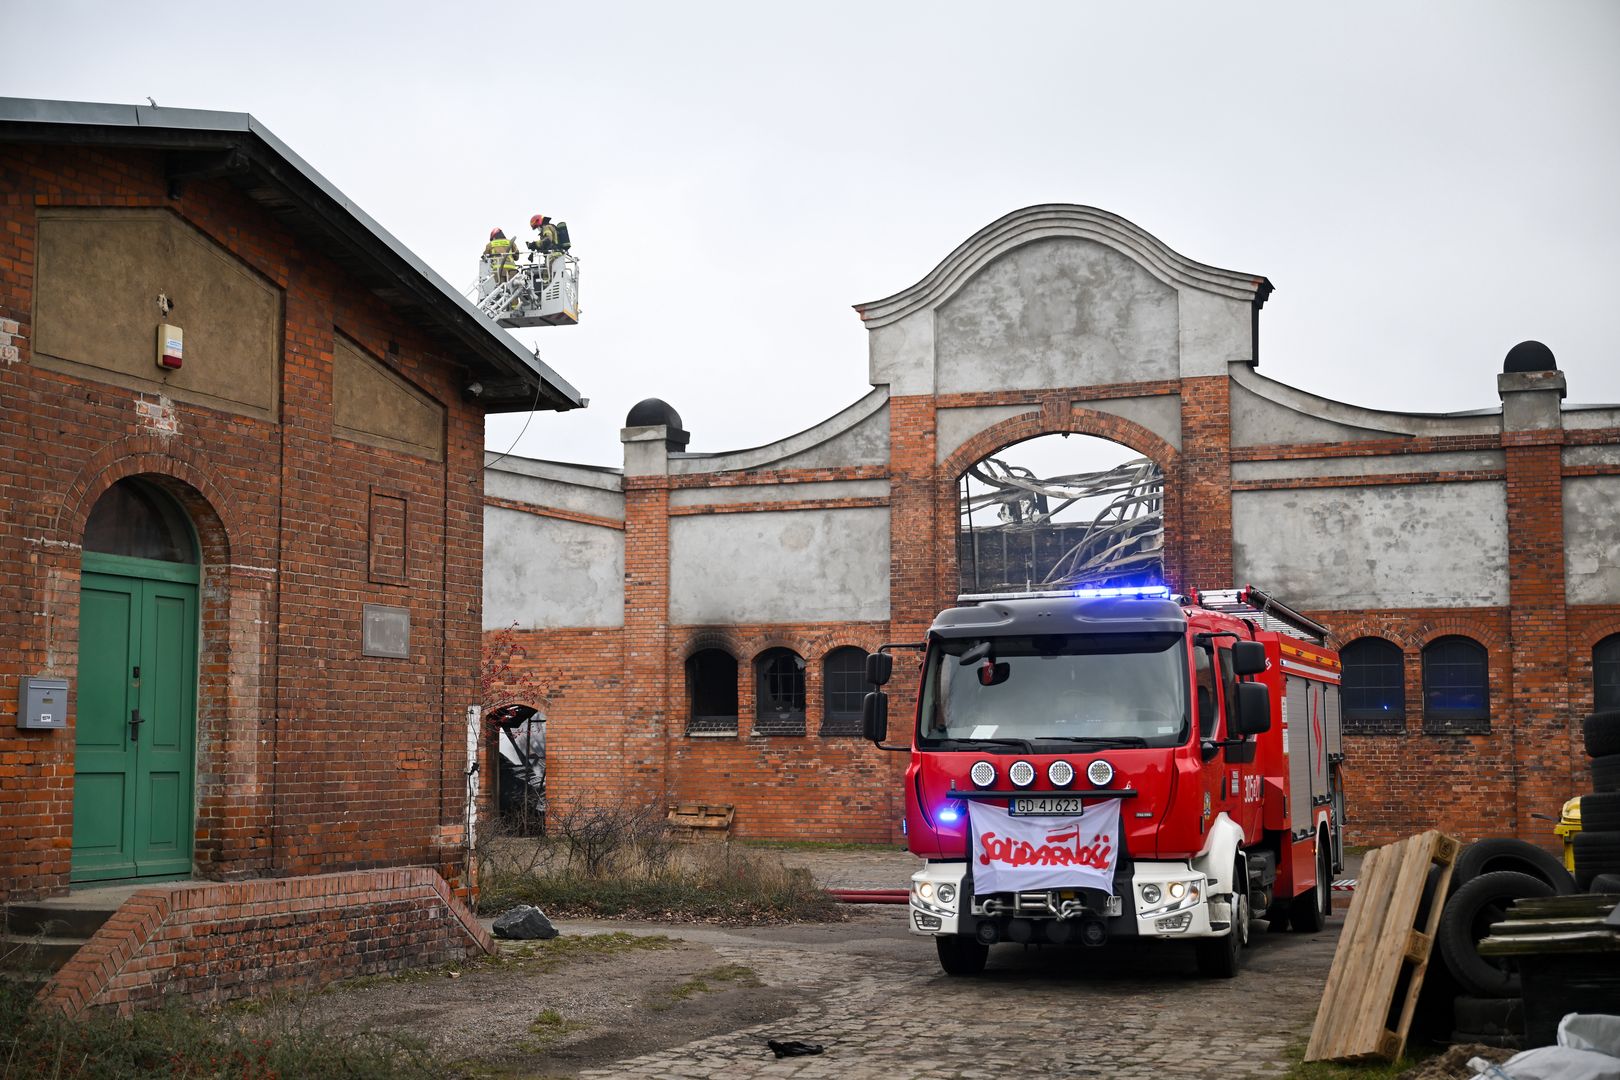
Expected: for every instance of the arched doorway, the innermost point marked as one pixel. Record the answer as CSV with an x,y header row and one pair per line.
x,y
1060,511
135,738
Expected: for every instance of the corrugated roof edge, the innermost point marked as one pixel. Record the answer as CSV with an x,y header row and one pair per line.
x,y
91,114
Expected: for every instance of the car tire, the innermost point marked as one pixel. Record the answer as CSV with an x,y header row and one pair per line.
x,y
1602,731
1600,812
1595,853
1606,773
1605,883
1520,856
1466,921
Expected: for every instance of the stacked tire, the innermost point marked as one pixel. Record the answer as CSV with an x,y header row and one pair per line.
x,y
1487,1003
1597,845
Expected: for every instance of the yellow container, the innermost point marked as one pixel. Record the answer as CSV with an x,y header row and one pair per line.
x,y
1567,827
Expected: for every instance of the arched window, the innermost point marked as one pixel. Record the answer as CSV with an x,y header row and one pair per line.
x,y
711,690
779,696
1606,673
1374,687
843,688
137,519
1456,691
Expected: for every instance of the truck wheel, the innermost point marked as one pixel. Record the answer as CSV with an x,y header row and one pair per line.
x,y
1309,911
1220,958
1467,920
960,955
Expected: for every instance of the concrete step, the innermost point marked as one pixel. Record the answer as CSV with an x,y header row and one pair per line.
x,y
36,953
61,918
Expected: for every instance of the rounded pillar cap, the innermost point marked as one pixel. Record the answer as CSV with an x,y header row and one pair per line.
x,y
1525,356
653,412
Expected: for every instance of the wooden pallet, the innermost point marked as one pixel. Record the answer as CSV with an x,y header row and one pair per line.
x,y
699,821
1372,989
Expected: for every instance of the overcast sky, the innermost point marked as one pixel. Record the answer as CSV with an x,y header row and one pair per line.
x,y
1425,183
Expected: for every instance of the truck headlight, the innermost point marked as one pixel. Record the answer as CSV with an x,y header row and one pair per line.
x,y
1150,894
947,893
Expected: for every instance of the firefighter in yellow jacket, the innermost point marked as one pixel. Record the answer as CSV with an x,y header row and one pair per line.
x,y
501,255
545,243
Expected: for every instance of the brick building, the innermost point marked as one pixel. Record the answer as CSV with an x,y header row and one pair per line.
x,y
257,573
702,614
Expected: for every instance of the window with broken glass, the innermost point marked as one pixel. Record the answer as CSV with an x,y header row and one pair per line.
x,y
779,693
711,692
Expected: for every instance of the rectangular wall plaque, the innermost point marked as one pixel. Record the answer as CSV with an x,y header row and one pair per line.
x,y
387,631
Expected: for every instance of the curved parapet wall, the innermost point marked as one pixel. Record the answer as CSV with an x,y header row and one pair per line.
x,y
1047,220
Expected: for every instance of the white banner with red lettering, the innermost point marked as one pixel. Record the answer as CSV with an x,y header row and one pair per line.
x,y
1011,853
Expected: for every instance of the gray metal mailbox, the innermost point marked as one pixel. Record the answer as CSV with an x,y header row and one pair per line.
x,y
42,704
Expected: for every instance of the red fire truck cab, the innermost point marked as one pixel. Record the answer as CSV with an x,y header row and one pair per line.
x,y
1112,763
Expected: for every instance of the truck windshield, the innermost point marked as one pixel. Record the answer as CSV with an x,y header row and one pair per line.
x,y
1086,690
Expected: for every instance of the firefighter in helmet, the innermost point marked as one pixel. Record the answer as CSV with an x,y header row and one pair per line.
x,y
501,255
545,243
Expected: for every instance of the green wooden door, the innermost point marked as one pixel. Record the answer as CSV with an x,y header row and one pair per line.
x,y
132,788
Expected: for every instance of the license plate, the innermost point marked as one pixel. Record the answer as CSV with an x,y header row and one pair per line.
x,y
1050,806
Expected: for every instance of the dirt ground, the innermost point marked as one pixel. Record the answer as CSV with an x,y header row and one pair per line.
x,y
521,1015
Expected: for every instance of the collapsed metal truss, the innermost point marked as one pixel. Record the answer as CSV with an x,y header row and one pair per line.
x,y
1021,544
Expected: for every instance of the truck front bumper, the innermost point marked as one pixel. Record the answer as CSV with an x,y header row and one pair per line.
x,y
1157,900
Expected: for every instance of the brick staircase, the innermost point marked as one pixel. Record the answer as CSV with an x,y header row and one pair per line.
x,y
39,936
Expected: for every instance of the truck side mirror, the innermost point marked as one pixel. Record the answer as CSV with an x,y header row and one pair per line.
x,y
1248,658
875,713
1254,709
879,667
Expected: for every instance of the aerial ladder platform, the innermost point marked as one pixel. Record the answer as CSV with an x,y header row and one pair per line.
x,y
542,291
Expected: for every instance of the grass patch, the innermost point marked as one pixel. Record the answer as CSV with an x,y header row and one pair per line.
x,y
550,1026
723,884
174,1041
724,977
545,955
1300,1069
821,845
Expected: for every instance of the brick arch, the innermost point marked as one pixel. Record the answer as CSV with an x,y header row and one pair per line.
x,y
1052,421
818,646
758,642
1457,626
175,467
1364,628
1078,421
710,639
1597,631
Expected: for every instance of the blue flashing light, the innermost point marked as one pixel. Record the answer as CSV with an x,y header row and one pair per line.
x,y
1161,591
950,812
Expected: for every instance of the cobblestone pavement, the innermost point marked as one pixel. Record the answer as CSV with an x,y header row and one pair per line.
x,y
874,997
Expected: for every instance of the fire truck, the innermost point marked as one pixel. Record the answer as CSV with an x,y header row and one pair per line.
x,y
1113,763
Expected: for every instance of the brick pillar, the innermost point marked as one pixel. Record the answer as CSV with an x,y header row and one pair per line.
x,y
915,532
1544,751
643,738
1205,557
